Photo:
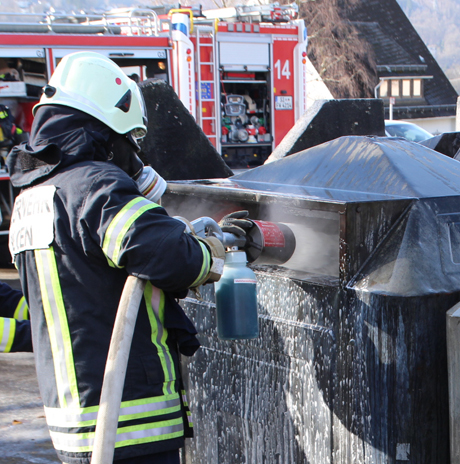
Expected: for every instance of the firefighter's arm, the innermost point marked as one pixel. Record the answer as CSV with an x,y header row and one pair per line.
x,y
12,303
14,335
139,236
213,260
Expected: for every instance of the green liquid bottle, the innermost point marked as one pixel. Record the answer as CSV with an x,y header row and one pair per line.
x,y
236,299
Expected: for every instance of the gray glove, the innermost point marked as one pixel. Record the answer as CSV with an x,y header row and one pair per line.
x,y
236,223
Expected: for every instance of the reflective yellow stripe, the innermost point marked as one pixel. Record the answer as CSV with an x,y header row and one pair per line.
x,y
148,433
21,312
155,302
129,410
189,419
126,436
205,267
187,410
7,332
184,397
120,224
58,328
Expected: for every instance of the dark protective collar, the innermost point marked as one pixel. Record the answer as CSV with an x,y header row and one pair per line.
x,y
60,136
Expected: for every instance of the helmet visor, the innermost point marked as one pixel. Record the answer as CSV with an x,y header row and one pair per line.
x,y
138,133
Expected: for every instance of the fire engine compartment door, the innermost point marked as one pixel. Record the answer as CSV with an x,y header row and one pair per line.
x,y
141,62
116,53
23,52
28,68
244,56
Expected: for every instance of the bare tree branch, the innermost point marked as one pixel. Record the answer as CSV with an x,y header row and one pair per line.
x,y
344,61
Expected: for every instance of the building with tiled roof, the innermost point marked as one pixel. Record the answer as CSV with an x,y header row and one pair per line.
x,y
411,83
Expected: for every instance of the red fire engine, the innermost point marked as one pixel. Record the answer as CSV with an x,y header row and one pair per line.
x,y
246,82
241,72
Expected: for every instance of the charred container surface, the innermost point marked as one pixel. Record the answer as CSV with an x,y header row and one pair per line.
x,y
447,143
350,364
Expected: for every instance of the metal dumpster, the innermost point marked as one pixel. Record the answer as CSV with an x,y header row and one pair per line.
x,y
350,365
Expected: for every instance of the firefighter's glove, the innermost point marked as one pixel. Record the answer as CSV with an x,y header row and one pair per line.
x,y
216,249
188,225
236,223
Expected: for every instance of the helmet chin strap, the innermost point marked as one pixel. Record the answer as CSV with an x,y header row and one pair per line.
x,y
123,153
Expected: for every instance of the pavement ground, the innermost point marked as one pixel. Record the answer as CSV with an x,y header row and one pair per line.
x,y
24,436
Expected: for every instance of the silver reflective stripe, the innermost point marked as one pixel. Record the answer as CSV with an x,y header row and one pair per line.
x,y
72,442
58,329
184,397
129,410
120,224
155,310
151,433
144,410
7,332
21,312
137,434
188,413
67,418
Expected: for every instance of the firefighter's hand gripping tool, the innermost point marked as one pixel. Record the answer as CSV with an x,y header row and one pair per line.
x,y
231,230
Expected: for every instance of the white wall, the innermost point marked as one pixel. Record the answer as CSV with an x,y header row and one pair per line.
x,y
435,125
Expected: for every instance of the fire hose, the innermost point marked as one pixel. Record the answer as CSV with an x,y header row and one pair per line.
x,y
115,371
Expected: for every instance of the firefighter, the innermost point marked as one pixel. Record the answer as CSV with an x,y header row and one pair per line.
x,y
14,323
10,133
79,227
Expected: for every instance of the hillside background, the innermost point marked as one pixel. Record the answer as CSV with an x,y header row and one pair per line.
x,y
438,24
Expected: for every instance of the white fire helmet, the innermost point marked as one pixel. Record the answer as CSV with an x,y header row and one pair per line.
x,y
94,84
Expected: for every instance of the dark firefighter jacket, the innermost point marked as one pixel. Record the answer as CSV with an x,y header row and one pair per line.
x,y
14,323
78,229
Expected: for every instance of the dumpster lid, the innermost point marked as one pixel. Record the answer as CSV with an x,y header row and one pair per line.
x,y
359,168
419,256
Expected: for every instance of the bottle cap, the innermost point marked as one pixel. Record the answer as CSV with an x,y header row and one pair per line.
x,y
235,257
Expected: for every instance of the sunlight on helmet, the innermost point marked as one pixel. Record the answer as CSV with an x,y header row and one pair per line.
x,y
94,84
